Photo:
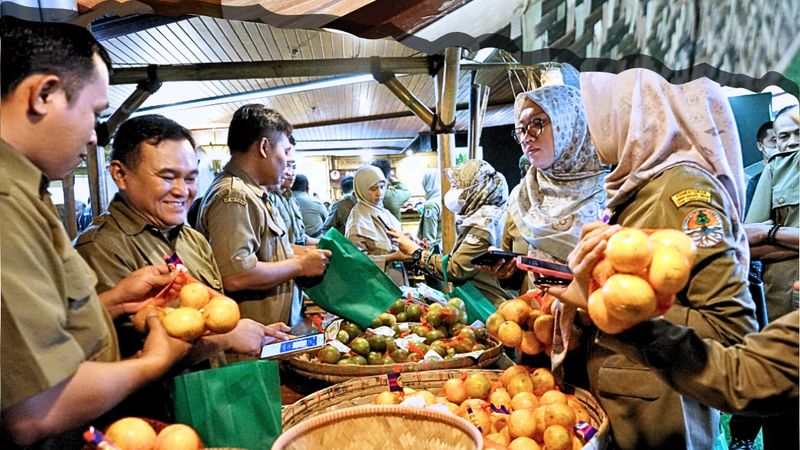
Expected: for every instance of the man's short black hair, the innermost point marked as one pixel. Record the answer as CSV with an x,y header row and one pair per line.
x,y
60,49
300,183
384,165
762,130
346,185
151,128
253,122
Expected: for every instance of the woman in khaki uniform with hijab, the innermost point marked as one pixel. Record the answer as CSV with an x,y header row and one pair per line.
x,y
678,165
477,197
369,224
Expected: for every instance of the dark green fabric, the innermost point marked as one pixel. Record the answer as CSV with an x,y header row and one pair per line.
x,y
233,406
478,306
353,287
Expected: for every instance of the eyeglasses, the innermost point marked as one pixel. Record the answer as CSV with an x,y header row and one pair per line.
x,y
533,129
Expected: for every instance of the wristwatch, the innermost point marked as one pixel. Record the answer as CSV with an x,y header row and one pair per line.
x,y
416,256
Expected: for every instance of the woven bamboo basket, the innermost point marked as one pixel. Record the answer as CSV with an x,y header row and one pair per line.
x,y
334,373
384,427
361,391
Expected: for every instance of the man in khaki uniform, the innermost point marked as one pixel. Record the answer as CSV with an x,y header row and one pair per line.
x,y
283,201
245,232
396,192
774,218
60,366
155,167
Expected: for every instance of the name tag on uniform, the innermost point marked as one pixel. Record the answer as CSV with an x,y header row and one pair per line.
x,y
691,195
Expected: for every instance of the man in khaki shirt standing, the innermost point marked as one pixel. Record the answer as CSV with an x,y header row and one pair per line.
x,y
249,243
60,366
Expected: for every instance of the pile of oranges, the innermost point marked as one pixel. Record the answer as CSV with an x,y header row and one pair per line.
x,y
639,276
524,323
200,309
522,410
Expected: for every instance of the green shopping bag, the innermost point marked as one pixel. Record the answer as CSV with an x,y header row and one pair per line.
x,y
232,406
478,306
353,287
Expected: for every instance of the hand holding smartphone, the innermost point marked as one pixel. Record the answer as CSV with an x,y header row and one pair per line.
x,y
545,272
491,258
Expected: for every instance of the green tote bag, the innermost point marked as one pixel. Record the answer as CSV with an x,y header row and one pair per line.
x,y
353,287
478,306
238,405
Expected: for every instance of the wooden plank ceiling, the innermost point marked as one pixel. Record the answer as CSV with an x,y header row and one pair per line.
x,y
326,115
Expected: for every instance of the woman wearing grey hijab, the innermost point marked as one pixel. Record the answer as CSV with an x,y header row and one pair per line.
x,y
369,224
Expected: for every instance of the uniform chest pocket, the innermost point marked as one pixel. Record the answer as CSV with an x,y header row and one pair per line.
x,y
79,280
785,196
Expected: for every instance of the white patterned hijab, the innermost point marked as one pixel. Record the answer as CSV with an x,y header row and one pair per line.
x,y
645,125
367,219
553,204
485,196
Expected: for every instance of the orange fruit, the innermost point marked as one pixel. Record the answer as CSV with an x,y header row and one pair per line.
x,y
559,413
557,437
602,271
139,319
543,381
478,386
663,302
601,318
521,423
493,323
131,433
543,328
629,298
519,383
676,239
184,323
505,377
525,400
387,398
535,313
500,397
552,397
455,390
669,271
194,295
524,443
509,333
221,314
515,310
629,250
177,437
499,439
530,345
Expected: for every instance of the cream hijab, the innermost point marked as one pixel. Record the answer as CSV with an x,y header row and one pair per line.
x,y
645,125
485,195
553,204
366,218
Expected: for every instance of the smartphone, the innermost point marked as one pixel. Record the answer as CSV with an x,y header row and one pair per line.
x,y
285,349
491,257
544,269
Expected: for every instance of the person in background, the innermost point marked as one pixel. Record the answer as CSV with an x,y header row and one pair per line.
x,y
512,238
396,192
767,144
60,366
678,165
477,197
369,224
312,209
251,248
340,209
284,202
430,223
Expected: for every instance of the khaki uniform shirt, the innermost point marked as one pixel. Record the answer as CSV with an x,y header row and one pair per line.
x,y
776,197
757,376
472,242
52,319
430,224
120,241
396,195
285,204
643,411
314,212
243,229
340,212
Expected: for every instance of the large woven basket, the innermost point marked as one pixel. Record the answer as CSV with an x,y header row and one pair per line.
x,y
382,427
361,391
334,373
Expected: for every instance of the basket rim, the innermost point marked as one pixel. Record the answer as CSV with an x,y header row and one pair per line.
x,y
380,410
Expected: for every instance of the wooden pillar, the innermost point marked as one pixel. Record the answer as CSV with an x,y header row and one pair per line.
x,y
446,92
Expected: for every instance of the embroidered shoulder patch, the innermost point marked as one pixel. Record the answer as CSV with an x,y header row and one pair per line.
x,y
704,226
691,195
240,201
471,239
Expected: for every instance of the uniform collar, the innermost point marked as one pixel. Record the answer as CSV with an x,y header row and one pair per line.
x,y
234,169
132,223
21,171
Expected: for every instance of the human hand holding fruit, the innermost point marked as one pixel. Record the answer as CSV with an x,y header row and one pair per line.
x,y
135,291
163,349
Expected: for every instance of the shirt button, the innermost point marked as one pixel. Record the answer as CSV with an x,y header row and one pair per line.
x,y
780,200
